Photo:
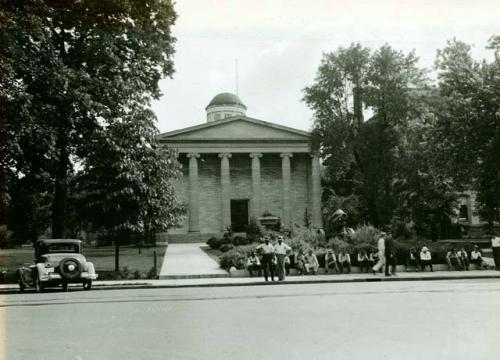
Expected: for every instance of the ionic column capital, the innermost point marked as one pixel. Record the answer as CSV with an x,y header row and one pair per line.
x,y
225,155
193,155
255,155
283,155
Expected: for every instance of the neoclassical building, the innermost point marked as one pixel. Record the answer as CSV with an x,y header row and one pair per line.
x,y
236,167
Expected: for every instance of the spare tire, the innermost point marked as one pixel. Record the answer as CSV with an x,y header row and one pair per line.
x,y
70,268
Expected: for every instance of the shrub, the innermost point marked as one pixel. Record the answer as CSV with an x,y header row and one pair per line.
x,y
232,257
214,243
226,247
365,234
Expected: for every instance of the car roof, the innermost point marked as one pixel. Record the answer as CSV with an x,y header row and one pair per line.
x,y
59,241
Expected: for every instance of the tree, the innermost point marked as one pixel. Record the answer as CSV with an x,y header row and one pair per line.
x,y
72,67
124,186
468,131
360,155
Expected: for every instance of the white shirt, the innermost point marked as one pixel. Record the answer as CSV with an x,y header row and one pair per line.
x,y
281,249
425,255
381,244
266,249
474,255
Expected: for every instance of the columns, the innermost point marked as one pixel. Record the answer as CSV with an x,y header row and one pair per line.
x,y
286,181
316,217
194,205
256,197
225,190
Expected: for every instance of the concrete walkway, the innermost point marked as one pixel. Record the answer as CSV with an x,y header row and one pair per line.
x,y
189,261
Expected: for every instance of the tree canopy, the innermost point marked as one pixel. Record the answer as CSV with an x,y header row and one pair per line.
x,y
75,72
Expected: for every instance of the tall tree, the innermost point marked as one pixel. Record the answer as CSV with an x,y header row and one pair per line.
x,y
72,67
359,153
124,187
468,127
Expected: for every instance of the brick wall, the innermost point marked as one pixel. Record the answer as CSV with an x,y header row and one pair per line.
x,y
241,187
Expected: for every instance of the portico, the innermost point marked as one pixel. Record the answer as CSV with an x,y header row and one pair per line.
x,y
238,167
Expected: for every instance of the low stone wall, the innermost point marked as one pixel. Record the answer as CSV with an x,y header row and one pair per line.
x,y
356,270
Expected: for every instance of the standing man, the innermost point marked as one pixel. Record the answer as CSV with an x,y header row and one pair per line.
x,y
267,251
281,249
381,253
390,256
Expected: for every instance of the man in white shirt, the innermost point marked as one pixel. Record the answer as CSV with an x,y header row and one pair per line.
x,y
477,258
311,262
425,258
281,249
381,253
267,251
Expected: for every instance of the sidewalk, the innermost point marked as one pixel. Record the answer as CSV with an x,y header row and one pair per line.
x,y
307,279
189,261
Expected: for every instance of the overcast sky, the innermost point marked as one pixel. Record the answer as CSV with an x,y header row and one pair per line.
x,y
279,45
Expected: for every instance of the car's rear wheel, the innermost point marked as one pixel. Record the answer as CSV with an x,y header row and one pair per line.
x,y
87,284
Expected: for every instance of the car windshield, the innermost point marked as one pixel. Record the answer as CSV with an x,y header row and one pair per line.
x,y
60,248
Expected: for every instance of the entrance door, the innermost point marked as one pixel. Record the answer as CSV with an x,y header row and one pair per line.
x,y
239,215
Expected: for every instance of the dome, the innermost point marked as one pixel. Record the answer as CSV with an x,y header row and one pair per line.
x,y
226,99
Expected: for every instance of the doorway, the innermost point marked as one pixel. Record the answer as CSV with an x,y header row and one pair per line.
x,y
239,215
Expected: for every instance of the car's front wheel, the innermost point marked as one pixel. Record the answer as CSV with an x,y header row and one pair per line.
x,y
87,284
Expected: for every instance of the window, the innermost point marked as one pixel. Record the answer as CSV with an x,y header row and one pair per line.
x,y
464,212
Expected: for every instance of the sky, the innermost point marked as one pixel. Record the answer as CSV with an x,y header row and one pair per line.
x,y
278,46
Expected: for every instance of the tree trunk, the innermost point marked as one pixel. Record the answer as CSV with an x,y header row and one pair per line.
x,y
60,189
117,255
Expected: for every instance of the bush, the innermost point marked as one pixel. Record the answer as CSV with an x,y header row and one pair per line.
x,y
214,243
233,257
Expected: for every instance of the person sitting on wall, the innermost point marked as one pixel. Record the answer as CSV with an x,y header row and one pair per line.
x,y
373,258
299,261
425,258
452,260
363,261
288,264
253,264
344,261
311,263
464,259
412,259
476,257
330,261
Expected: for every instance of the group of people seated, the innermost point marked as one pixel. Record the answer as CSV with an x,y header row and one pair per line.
x,y
307,262
456,260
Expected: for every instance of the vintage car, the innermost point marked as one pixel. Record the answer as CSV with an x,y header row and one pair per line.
x,y
57,262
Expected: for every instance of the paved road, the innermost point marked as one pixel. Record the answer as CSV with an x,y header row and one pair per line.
x,y
401,320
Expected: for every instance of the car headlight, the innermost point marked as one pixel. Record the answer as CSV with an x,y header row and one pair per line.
x,y
48,265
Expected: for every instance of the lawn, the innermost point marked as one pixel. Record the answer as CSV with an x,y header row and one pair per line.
x,y
102,257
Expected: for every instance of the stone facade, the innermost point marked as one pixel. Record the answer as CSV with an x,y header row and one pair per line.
x,y
237,168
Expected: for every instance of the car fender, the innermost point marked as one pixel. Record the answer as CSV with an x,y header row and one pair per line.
x,y
41,270
90,267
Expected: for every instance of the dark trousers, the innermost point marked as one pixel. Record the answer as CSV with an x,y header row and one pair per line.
x,y
412,262
390,261
364,265
345,264
425,263
254,267
267,265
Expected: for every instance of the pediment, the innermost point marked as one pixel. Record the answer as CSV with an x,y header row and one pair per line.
x,y
236,128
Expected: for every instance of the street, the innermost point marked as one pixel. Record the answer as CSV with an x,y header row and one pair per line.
x,y
385,320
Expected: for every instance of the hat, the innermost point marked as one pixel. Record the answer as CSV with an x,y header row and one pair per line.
x,y
330,250
425,248
383,233
476,247
280,237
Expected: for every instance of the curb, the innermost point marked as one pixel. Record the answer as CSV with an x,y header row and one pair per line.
x,y
151,285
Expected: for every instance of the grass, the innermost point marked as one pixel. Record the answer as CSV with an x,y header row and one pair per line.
x,y
102,257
